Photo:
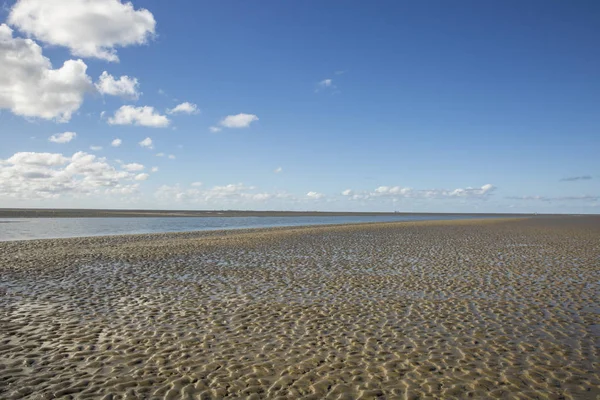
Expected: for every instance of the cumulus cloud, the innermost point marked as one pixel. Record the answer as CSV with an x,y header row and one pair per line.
x,y
154,169
235,193
89,28
238,121
172,157
30,87
170,193
231,190
184,108
468,192
133,167
37,159
125,86
278,170
140,116
392,191
95,148
64,137
215,129
160,154
116,143
576,178
526,197
398,192
315,195
141,177
147,143
29,175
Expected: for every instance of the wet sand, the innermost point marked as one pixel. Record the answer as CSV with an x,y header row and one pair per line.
x,y
439,309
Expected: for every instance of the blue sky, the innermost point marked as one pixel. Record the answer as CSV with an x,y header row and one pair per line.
x,y
437,106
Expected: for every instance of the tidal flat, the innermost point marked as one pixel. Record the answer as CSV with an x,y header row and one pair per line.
x,y
506,308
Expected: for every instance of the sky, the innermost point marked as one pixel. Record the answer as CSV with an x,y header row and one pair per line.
x,y
411,106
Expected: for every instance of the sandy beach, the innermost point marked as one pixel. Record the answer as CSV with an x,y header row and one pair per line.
x,y
506,309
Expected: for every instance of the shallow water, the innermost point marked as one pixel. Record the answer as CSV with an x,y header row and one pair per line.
x,y
51,228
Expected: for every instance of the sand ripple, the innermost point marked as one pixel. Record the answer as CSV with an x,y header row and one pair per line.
x,y
410,311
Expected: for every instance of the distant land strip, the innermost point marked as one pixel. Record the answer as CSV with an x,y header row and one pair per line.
x,y
105,213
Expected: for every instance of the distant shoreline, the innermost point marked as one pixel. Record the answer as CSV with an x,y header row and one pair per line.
x,y
104,213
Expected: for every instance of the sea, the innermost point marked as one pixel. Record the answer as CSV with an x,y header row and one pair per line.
x,y
51,228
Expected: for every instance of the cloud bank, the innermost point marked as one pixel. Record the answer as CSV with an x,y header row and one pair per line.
x,y
88,28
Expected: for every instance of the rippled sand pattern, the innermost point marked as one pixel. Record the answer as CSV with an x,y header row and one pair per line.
x,y
405,310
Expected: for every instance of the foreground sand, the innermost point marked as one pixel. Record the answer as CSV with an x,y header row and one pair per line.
x,y
479,309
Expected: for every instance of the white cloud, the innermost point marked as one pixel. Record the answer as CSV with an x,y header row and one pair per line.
x,y
238,121
133,167
553,199
469,192
184,108
116,143
326,85
218,194
50,175
261,196
95,148
141,177
215,129
29,86
231,191
233,194
141,116
154,169
147,143
176,193
89,28
125,86
392,191
278,170
487,187
398,192
171,157
315,195
64,137
37,159
160,154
